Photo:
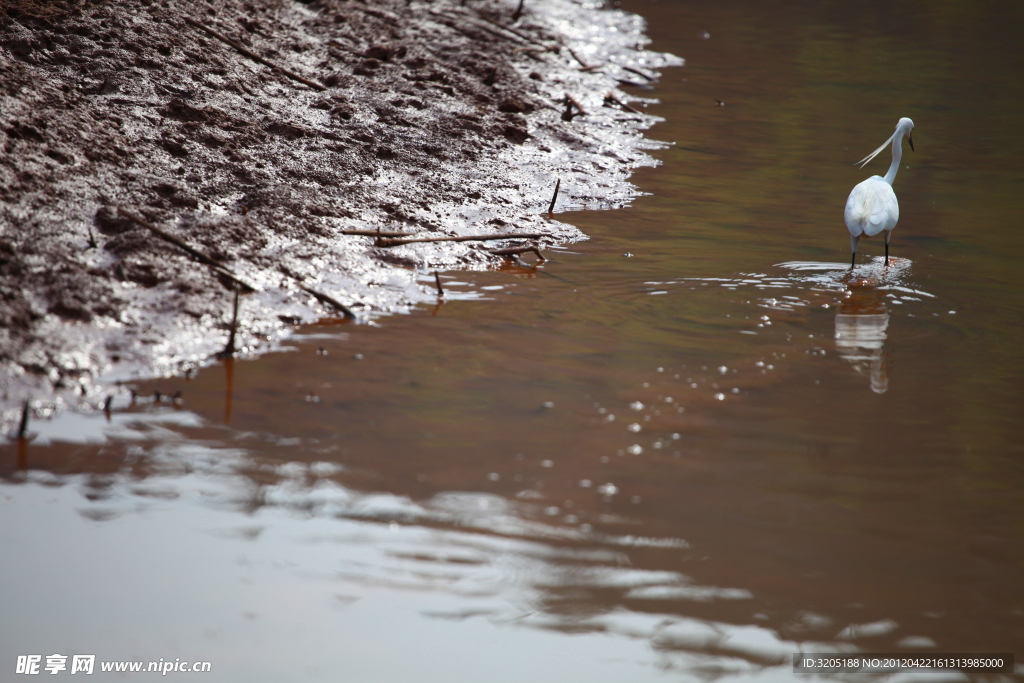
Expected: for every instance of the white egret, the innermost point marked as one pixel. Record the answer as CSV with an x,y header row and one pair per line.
x,y
872,207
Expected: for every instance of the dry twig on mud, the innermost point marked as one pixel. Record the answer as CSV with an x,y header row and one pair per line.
x,y
252,55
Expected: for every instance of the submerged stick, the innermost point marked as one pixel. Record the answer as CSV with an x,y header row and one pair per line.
x,y
437,279
463,238
195,253
252,55
551,207
515,251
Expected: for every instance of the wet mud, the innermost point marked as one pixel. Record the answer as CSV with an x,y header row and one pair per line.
x,y
260,135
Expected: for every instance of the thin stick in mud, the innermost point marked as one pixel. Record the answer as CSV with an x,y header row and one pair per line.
x,y
378,233
24,420
252,55
229,348
639,73
519,11
610,98
195,253
463,238
221,270
575,103
551,207
437,279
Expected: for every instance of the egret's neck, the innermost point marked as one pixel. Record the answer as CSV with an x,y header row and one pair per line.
x,y
897,154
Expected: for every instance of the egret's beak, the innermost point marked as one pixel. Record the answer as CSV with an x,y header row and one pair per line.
x,y
910,137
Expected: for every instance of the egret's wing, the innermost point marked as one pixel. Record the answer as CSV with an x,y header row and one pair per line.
x,y
864,162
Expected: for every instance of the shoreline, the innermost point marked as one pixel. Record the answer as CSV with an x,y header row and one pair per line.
x,y
437,119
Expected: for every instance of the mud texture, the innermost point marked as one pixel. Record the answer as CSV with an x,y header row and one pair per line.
x,y
440,117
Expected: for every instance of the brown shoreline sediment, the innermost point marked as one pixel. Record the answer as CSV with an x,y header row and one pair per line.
x,y
436,118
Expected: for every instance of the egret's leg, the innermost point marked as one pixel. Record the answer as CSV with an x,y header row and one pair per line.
x,y
853,247
887,233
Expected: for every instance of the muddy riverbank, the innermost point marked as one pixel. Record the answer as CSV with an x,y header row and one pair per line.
x,y
261,134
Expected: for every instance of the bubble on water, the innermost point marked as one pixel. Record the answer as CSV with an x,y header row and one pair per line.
x,y
636,499
586,483
735,390
720,396
609,418
551,511
635,449
675,437
358,356
722,369
547,463
668,399
494,476
636,405
608,489
549,404
634,427
705,35
663,369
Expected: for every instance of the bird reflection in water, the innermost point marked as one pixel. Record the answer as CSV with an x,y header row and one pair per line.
x,y
860,332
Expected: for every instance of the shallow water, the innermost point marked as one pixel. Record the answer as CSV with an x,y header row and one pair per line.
x,y
686,448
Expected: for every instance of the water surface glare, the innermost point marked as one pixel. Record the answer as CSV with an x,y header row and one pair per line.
x,y
684,449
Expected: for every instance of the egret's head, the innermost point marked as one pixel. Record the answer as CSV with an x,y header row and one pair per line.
x,y
907,126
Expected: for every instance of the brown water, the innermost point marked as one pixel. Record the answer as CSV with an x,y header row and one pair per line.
x,y
687,463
